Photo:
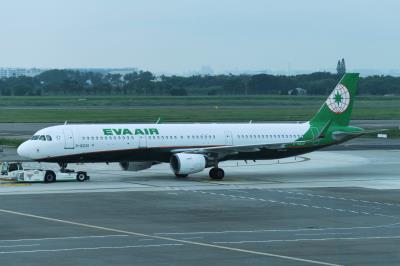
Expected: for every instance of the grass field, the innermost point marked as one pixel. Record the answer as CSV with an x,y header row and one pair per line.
x,y
130,101
12,142
180,115
183,109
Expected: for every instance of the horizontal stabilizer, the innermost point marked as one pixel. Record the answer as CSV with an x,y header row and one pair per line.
x,y
341,135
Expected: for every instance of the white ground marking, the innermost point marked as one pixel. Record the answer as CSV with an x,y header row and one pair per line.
x,y
281,230
307,239
181,241
296,198
292,203
331,197
15,246
369,207
323,234
89,248
58,238
195,237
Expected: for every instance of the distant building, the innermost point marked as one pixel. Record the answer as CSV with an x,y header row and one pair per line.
x,y
297,91
17,72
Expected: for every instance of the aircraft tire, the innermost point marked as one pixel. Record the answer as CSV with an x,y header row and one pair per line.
x,y
49,177
181,175
81,177
217,173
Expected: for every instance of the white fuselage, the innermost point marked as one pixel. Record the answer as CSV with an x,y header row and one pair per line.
x,y
112,141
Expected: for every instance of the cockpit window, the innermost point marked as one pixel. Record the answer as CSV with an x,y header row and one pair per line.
x,y
42,137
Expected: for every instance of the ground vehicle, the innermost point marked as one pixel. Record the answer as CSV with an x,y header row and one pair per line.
x,y
16,172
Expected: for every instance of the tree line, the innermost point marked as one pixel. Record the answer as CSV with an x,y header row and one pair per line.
x,y
145,83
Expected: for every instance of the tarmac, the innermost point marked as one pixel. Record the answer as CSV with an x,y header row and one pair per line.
x,y
337,207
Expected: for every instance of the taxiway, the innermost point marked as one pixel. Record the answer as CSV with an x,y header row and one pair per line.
x,y
326,208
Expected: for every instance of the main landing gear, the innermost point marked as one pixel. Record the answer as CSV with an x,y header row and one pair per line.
x,y
217,173
63,167
181,175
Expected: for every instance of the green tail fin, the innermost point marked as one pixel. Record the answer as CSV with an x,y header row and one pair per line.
x,y
338,107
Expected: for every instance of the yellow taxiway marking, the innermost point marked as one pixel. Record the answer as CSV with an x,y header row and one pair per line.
x,y
15,185
171,239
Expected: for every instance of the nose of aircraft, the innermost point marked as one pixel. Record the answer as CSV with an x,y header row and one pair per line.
x,y
23,150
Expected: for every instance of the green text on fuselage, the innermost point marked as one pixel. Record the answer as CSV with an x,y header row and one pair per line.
x,y
126,131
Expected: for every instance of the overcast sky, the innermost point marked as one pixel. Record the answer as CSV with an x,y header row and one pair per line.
x,y
181,35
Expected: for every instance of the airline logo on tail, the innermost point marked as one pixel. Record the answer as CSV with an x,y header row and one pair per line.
x,y
339,99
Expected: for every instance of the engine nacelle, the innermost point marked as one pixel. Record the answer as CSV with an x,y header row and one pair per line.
x,y
135,166
186,163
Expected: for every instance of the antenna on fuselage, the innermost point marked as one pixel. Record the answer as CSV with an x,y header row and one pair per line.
x,y
158,120
251,121
66,122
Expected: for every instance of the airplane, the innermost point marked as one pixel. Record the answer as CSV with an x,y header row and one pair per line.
x,y
191,148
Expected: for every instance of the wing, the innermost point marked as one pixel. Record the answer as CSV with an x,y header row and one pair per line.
x,y
233,149
224,150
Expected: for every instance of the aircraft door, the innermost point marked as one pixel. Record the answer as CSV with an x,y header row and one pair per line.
x,y
68,139
228,138
143,141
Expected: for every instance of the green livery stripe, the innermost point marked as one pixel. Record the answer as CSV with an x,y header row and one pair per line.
x,y
339,105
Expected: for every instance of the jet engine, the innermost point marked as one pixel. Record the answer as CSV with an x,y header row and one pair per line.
x,y
186,163
135,166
